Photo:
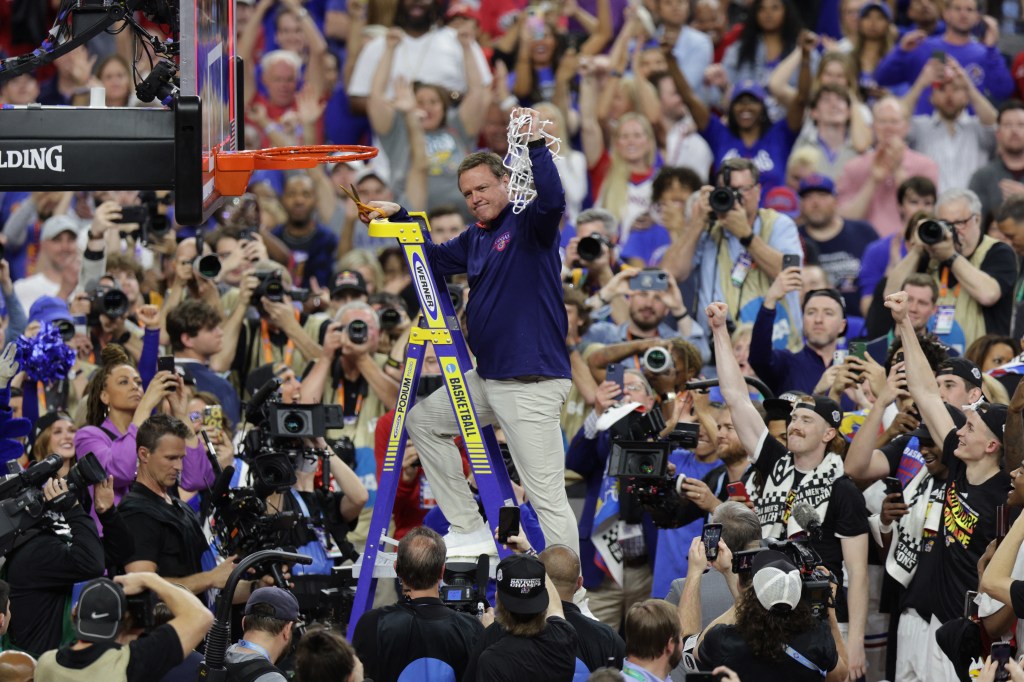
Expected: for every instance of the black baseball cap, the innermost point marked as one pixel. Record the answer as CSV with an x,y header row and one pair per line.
x,y
963,368
828,293
520,582
826,408
781,408
994,416
348,280
101,605
283,602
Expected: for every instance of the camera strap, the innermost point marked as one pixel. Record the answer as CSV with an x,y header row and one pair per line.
x,y
268,347
804,661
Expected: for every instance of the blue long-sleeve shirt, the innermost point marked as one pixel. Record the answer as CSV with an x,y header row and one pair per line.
x,y
782,370
517,322
984,64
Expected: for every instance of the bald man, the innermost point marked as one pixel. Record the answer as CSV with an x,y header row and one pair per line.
x,y
598,645
16,666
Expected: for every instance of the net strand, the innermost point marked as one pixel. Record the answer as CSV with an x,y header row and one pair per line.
x,y
521,190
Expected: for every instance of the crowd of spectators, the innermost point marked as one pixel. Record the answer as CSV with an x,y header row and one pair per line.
x,y
817,204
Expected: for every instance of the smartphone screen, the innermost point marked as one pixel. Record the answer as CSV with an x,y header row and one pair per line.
x,y
213,417
710,536
858,349
508,523
1001,655
970,608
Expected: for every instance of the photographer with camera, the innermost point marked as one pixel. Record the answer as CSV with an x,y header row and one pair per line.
x,y
974,272
807,478
738,248
976,486
773,634
108,645
281,334
107,321
419,634
596,260
46,562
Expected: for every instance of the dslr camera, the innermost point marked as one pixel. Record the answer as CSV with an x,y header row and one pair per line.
x,y
147,216
723,199
107,300
932,232
589,248
272,286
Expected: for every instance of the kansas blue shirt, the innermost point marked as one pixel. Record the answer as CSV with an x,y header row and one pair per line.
x,y
516,316
782,370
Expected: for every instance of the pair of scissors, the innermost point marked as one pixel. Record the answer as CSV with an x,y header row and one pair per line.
x,y
364,209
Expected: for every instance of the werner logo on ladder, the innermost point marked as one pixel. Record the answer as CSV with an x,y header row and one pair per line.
x,y
517,324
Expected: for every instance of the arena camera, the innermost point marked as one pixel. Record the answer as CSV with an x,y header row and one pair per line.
x,y
639,458
464,584
21,498
274,446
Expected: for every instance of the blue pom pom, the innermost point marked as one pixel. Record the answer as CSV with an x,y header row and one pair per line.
x,y
45,358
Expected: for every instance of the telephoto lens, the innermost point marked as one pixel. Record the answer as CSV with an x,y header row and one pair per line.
x,y
657,360
722,199
589,248
933,231
358,332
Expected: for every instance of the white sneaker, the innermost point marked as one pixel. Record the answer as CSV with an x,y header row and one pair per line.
x,y
471,544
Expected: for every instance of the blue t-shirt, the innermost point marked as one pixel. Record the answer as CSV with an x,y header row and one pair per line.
x,y
873,263
985,65
671,559
769,153
311,257
841,257
648,245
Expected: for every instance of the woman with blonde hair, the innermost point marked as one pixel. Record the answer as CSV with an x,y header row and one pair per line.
x,y
621,180
366,264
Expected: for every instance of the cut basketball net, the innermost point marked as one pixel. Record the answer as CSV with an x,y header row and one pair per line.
x,y
520,183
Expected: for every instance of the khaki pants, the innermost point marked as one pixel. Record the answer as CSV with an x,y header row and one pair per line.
x,y
610,601
528,413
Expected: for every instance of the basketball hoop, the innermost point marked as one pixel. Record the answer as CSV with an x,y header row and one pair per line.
x,y
232,170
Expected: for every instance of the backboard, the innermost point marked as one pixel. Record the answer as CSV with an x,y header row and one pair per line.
x,y
208,69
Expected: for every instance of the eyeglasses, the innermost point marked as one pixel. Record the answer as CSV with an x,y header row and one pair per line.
x,y
959,224
633,387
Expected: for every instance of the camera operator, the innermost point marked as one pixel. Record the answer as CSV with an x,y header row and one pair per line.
x,y
773,634
282,334
976,486
734,242
600,229
975,273
107,318
407,635
270,613
809,475
103,626
598,644
168,537
622,536
44,566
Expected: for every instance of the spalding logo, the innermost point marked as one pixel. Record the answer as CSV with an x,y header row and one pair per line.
x,y
502,241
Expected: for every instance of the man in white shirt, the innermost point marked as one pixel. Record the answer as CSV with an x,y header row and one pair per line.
x,y
957,140
427,53
57,267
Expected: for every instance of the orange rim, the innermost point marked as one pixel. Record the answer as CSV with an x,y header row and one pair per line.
x,y
232,170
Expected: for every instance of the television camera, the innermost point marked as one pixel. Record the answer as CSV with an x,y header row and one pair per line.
x,y
465,584
22,503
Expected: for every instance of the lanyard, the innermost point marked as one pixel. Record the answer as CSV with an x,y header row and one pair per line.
x,y
339,393
255,647
41,397
803,660
944,289
268,352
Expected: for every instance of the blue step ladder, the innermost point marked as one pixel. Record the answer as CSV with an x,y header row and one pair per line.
x,y
440,326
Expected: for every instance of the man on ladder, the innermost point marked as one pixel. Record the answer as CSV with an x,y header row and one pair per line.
x,y
517,329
